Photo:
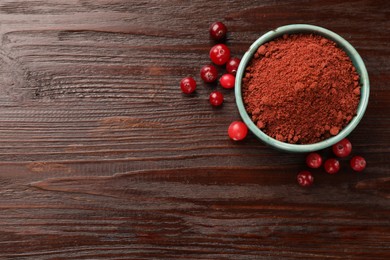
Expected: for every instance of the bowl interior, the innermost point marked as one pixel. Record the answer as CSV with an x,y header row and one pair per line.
x,y
341,43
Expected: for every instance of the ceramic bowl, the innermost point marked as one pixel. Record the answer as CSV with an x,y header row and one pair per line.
x,y
341,43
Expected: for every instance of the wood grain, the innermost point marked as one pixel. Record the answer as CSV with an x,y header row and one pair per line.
x,y
102,157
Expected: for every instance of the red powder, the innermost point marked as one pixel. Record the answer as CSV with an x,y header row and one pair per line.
x,y
301,89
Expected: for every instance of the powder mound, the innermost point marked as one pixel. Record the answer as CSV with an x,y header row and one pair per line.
x,y
301,88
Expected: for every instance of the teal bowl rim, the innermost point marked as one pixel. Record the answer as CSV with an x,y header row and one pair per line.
x,y
341,43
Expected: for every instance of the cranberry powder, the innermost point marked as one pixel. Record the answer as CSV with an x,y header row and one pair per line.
x,y
301,88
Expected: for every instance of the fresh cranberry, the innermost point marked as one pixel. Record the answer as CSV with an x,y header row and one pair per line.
x,y
332,166
314,160
220,54
342,148
227,81
358,163
305,178
209,73
237,130
218,31
232,65
188,85
216,98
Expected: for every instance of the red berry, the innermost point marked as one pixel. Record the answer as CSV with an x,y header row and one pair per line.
x,y
220,54
209,73
342,148
188,85
227,81
232,65
314,160
218,31
332,166
216,98
358,163
237,130
305,178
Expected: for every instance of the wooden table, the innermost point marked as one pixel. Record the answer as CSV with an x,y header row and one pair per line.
x,y
102,156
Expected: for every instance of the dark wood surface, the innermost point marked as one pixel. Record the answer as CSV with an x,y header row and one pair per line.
x,y
102,157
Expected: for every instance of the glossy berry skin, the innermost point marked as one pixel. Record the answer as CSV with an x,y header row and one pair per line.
x,y
342,148
314,160
216,98
237,130
332,166
358,163
218,31
188,85
305,178
220,54
227,81
232,65
209,73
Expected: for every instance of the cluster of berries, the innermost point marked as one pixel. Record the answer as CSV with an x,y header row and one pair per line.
x,y
341,149
219,55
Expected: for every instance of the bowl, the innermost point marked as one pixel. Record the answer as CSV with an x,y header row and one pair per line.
x,y
341,43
